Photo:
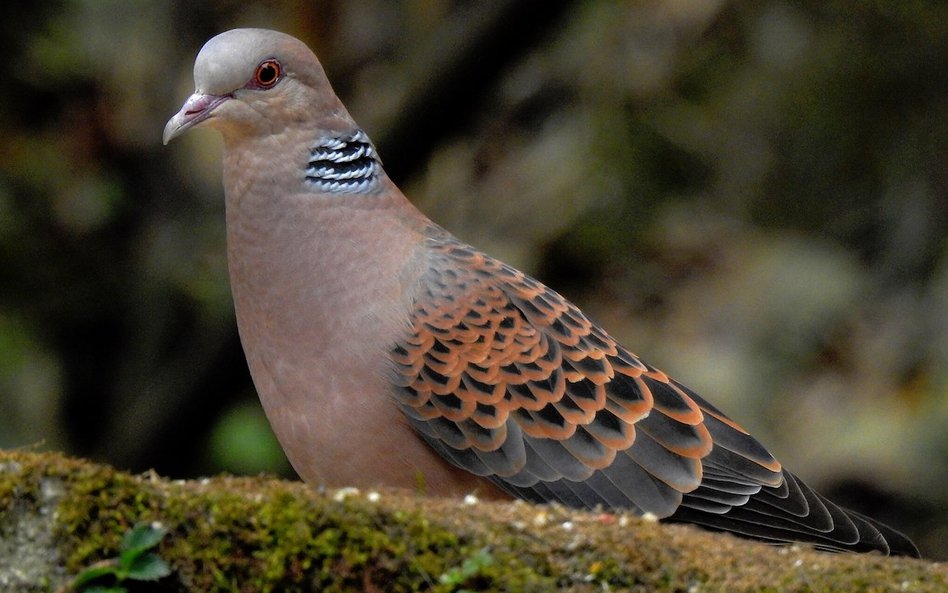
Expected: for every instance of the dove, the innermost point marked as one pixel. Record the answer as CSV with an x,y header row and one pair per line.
x,y
387,352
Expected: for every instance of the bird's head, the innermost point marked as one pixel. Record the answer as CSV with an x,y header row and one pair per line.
x,y
255,82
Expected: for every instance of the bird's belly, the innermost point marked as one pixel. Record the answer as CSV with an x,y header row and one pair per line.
x,y
340,427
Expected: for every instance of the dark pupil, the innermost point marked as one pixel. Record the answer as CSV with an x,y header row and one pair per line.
x,y
267,74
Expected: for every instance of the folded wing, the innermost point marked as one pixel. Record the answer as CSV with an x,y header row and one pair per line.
x,y
508,380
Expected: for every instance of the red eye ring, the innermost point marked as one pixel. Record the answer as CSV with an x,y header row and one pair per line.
x,y
268,73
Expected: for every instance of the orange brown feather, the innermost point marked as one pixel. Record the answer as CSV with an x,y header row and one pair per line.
x,y
495,356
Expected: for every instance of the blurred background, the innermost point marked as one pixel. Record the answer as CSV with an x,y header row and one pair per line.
x,y
751,195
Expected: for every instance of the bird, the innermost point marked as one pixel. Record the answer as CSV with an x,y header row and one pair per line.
x,y
387,352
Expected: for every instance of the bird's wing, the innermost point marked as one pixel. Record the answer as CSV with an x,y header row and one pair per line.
x,y
508,380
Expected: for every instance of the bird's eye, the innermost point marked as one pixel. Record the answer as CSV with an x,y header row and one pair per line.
x,y
268,74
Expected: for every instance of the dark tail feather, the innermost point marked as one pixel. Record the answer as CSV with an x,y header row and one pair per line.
x,y
824,524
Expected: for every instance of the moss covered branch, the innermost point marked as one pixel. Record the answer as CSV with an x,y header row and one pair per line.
x,y
59,515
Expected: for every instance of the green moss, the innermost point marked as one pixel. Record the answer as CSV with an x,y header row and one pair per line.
x,y
260,534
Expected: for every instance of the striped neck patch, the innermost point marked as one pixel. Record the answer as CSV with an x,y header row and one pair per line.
x,y
343,164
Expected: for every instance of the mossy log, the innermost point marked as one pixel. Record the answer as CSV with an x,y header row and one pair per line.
x,y
59,515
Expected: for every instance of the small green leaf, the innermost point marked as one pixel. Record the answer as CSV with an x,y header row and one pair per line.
x,y
139,540
469,568
149,567
473,565
98,570
101,589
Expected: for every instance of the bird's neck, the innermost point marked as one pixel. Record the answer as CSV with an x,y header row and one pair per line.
x,y
317,247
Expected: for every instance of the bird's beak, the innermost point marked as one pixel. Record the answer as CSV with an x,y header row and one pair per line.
x,y
196,109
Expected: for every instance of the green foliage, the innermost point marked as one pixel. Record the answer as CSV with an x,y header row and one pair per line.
x,y
469,569
136,562
243,443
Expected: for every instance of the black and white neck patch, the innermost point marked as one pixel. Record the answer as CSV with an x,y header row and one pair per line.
x,y
343,164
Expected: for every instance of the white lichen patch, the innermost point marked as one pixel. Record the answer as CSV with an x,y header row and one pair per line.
x,y
344,493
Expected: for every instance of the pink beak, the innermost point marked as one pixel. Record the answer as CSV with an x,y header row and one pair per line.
x,y
196,109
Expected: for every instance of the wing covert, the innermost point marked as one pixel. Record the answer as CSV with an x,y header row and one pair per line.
x,y
507,379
